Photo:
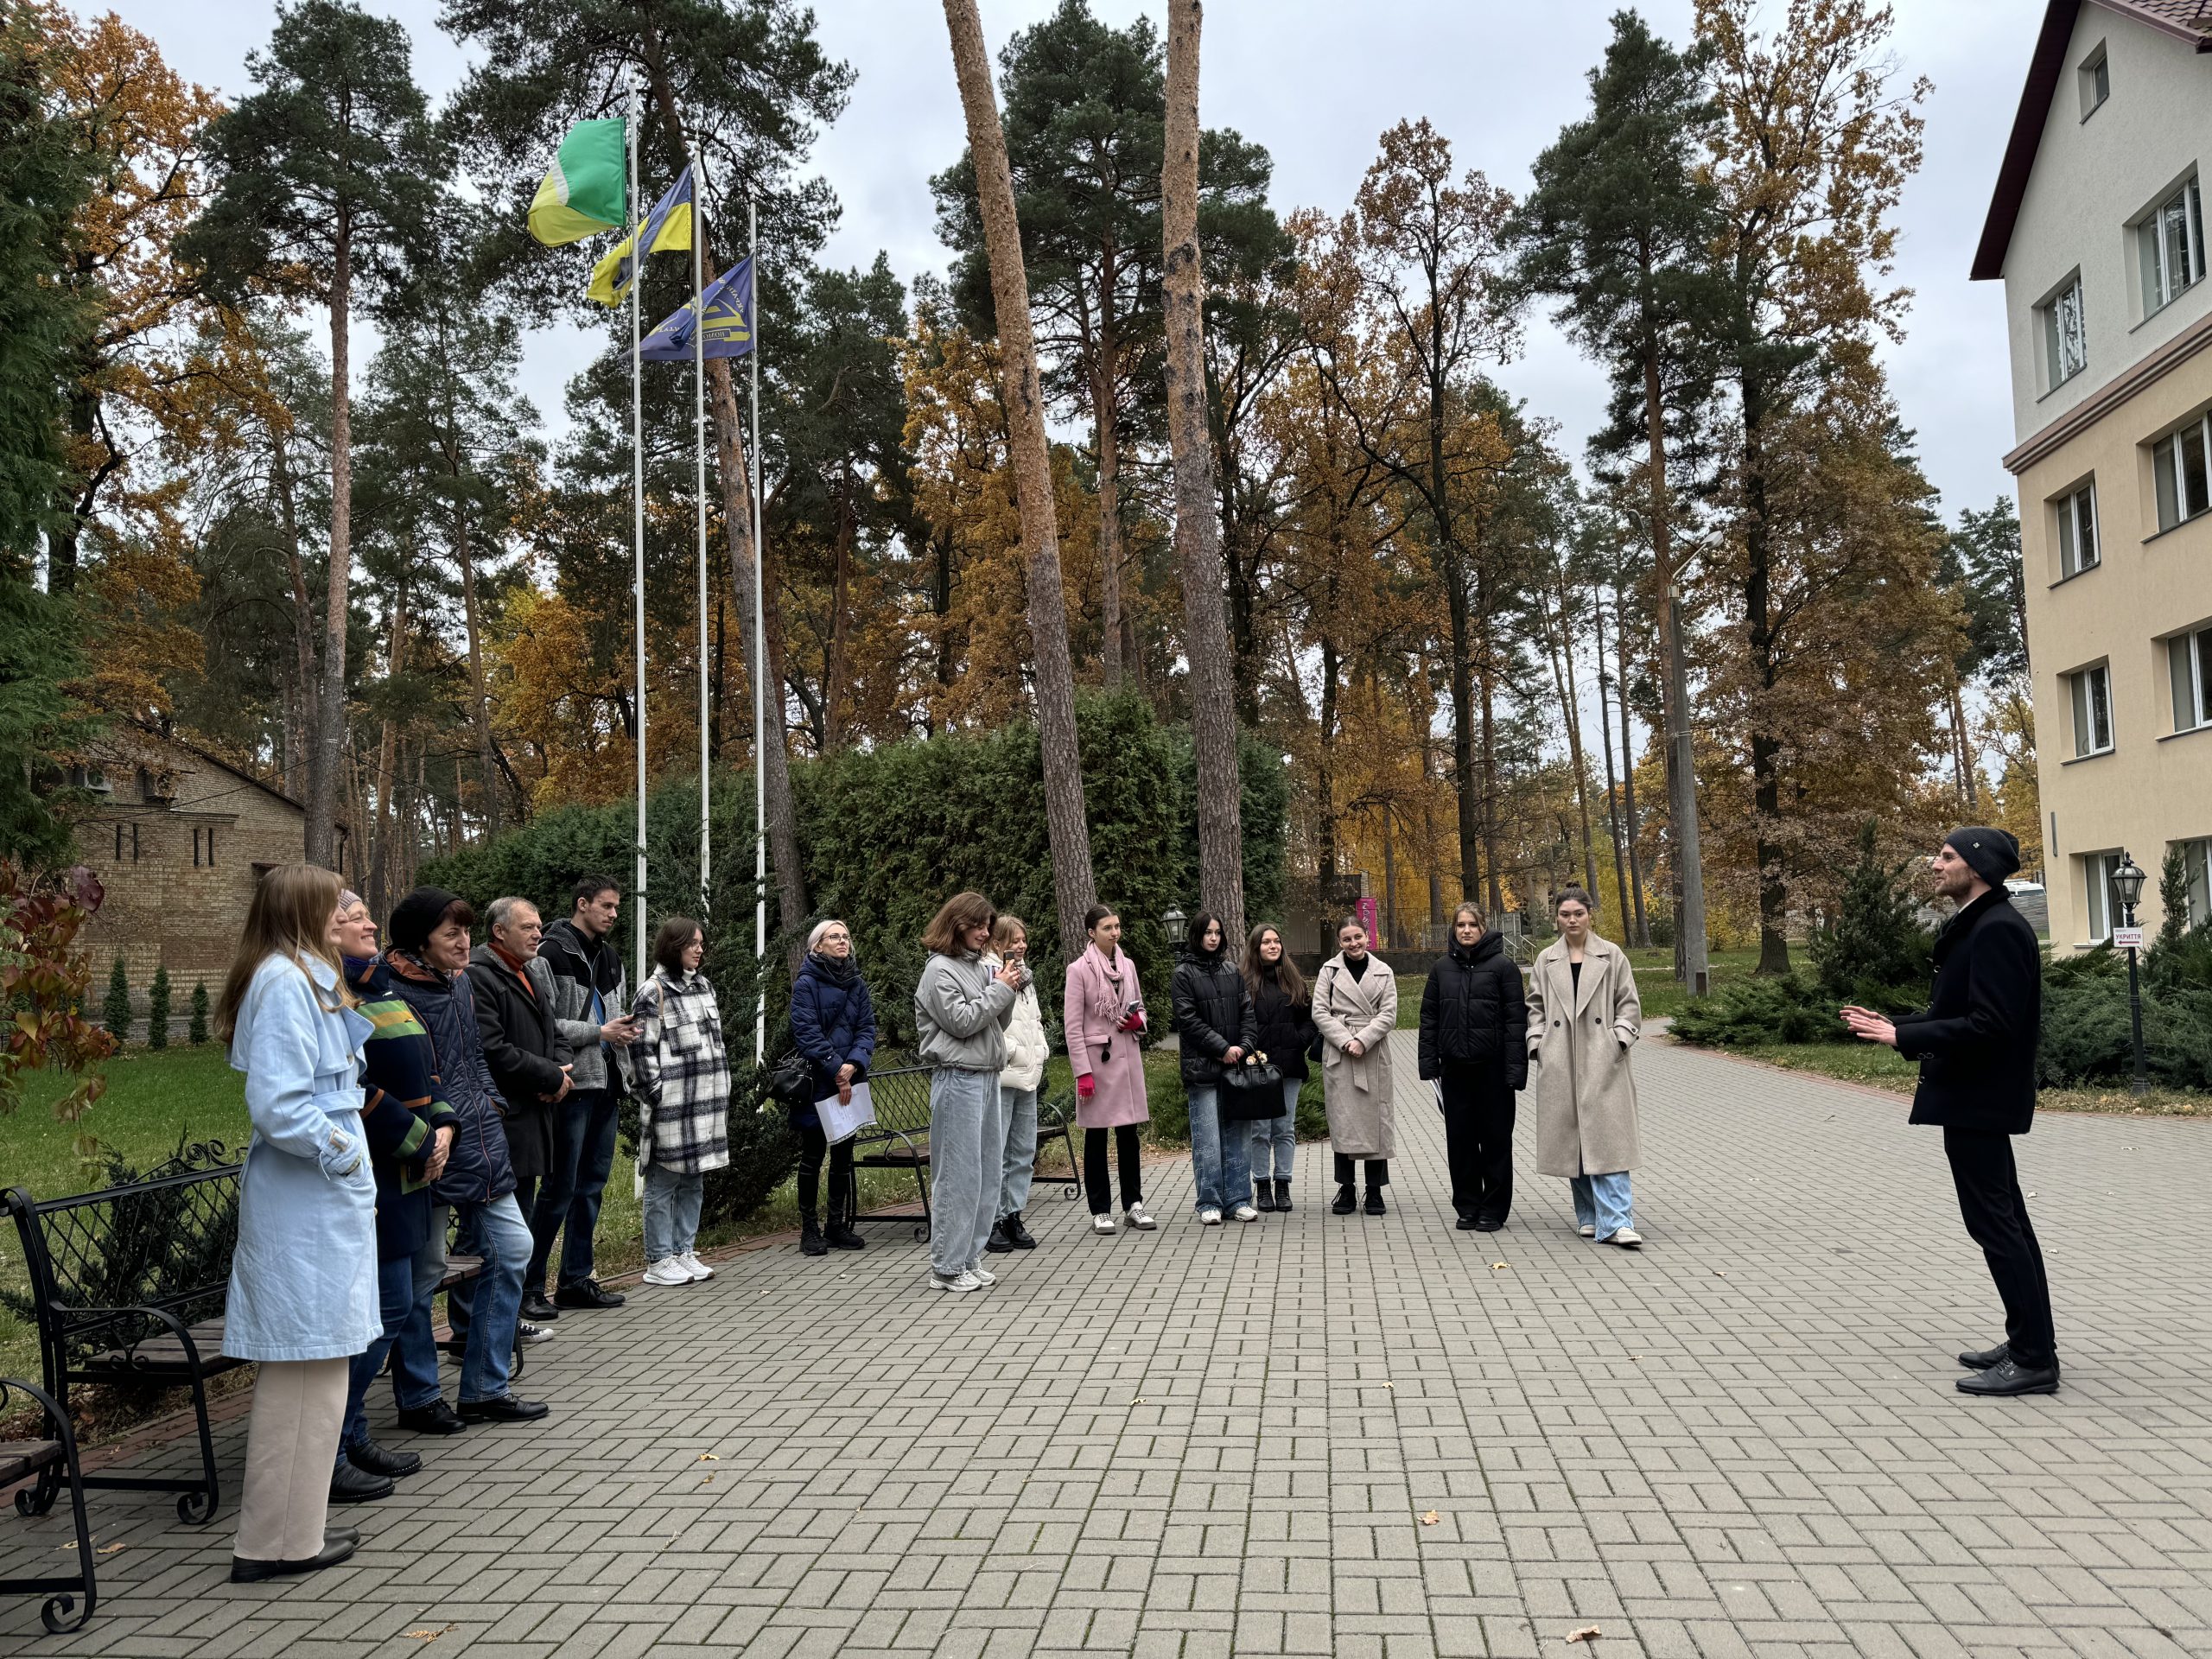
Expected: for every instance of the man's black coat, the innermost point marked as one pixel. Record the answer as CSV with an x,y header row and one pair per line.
x,y
1976,1042
524,1050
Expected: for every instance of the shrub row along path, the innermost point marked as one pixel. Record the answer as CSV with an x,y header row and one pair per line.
x,y
1330,1435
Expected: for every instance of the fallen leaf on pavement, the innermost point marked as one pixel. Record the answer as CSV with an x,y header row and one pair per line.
x,y
1587,1633
1430,1517
108,1550
710,1457
1499,1266
428,1636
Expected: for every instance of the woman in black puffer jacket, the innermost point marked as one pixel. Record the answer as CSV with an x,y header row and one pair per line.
x,y
1474,1036
1282,1013
1214,1031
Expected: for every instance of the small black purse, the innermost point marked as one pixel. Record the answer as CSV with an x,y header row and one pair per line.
x,y
1251,1091
791,1081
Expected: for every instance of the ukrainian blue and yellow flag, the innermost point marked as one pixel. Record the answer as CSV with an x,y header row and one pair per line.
x,y
667,229
729,322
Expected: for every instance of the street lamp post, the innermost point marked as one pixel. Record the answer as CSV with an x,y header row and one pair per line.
x,y
2128,882
1175,924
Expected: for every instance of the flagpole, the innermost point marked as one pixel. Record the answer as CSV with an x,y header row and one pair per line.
x,y
638,525
699,427
759,680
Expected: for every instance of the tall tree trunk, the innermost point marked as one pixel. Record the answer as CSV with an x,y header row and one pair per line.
x,y
1681,760
325,753
480,692
1496,888
1105,402
305,707
1198,522
1628,771
836,700
1631,921
788,876
1325,780
1758,631
380,889
1963,750
1570,706
1074,884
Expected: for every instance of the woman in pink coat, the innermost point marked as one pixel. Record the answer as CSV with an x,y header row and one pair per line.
x,y
1105,1022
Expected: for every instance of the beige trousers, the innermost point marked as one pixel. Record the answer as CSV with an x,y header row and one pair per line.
x,y
291,1445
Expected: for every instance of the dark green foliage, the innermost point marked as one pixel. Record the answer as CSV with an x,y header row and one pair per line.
x,y
1876,948
115,1012
762,1149
2173,898
157,1010
38,655
196,1032
2087,1038
2100,961
1266,818
1981,563
1756,1012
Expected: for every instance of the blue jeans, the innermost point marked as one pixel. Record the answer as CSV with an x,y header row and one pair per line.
x,y
1018,1109
415,1353
1221,1155
568,1197
395,1299
1603,1202
967,1152
1275,1139
673,1201
505,1237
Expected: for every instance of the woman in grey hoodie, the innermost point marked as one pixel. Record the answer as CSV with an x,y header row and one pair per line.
x,y
961,1009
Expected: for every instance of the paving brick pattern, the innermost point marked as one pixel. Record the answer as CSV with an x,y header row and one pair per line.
x,y
1743,1440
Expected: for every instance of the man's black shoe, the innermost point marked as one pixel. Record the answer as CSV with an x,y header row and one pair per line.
x,y
1987,1357
1485,1224
535,1307
998,1244
589,1294
436,1418
351,1485
1346,1202
378,1460
1469,1225
1375,1201
2007,1378
249,1572
1018,1233
505,1408
341,1535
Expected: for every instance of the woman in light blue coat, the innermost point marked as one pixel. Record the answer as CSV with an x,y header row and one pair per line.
x,y
303,1297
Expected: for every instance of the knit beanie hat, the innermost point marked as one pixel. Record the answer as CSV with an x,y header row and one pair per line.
x,y
417,916
1993,854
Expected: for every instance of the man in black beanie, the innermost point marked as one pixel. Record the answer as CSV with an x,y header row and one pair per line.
x,y
1976,1045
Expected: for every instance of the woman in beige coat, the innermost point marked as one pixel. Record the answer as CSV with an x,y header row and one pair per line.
x,y
1355,1009
1583,1017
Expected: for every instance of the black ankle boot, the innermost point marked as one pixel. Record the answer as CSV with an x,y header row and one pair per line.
x,y
810,1241
1346,1200
1374,1200
1282,1196
1017,1234
998,1244
839,1235
1263,1196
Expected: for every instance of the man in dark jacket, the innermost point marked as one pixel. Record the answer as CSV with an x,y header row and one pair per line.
x,y
588,999
528,1060
1976,1045
1474,1044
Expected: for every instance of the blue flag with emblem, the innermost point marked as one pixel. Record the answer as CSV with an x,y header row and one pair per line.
x,y
729,322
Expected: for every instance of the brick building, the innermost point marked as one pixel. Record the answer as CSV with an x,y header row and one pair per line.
x,y
178,838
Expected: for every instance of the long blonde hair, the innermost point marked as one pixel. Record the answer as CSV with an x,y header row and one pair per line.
x,y
290,918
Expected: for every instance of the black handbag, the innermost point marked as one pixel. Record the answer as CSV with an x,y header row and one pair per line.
x,y
1251,1091
791,1081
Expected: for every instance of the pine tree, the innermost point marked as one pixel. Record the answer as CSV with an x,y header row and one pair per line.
x,y
2173,898
196,1032
1876,945
115,1013
157,1010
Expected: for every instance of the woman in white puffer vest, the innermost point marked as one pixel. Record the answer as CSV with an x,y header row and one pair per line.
x,y
1026,1049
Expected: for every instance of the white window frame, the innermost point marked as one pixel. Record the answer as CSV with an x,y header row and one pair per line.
x,y
2065,333
2170,472
2100,898
2080,545
2095,74
2196,869
2170,246
2188,676
2088,691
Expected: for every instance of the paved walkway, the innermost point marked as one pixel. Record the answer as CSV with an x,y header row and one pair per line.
x,y
1743,1440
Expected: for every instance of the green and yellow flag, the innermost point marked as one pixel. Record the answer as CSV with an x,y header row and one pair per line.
x,y
667,229
584,193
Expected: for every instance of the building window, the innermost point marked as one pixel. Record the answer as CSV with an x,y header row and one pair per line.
x,y
2170,247
2091,690
2096,81
2196,869
2065,343
203,847
2178,461
2077,531
126,843
2103,907
2189,668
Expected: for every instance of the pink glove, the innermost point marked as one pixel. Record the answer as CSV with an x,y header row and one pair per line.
x,y
1086,1085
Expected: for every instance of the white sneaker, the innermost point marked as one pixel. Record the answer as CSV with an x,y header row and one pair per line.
x,y
525,1331
697,1268
1245,1213
983,1275
1140,1218
1104,1224
669,1270
1628,1238
1209,1217
1588,1231
963,1281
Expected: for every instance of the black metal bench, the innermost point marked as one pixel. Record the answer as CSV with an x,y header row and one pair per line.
x,y
899,1137
127,1285
54,1455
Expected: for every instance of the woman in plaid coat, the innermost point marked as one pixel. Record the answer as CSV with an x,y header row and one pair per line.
x,y
682,1085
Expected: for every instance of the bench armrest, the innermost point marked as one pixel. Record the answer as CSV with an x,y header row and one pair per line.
x,y
113,1316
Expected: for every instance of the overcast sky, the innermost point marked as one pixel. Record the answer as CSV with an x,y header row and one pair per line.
x,y
1318,84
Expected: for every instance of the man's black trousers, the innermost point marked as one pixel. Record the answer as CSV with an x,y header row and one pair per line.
x,y
1996,1215
1478,1110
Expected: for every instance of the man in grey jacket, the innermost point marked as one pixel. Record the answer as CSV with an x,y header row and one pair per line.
x,y
589,999
962,1007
